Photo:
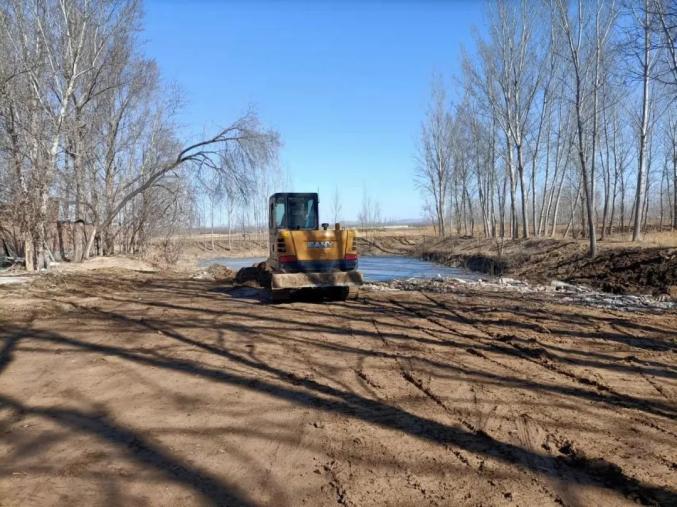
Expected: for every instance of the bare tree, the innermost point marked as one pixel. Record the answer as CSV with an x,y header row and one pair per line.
x,y
671,150
366,215
336,206
508,78
89,132
568,121
434,158
646,61
664,16
587,36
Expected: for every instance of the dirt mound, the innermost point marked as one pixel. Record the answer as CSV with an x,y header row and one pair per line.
x,y
102,263
494,257
221,273
623,271
482,263
619,270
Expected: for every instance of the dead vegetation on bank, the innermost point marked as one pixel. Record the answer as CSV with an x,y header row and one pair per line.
x,y
618,269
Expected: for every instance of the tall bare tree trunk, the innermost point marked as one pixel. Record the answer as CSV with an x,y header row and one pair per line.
x,y
674,184
90,243
29,252
641,168
514,232
556,211
523,192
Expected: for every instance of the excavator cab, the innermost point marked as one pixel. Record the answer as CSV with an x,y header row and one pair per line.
x,y
294,211
306,255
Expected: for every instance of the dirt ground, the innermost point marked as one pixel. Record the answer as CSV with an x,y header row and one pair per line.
x,y
120,387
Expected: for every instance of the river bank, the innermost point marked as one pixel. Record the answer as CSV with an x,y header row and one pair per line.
x,y
619,268
616,269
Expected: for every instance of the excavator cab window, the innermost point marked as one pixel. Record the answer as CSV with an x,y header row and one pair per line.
x,y
301,212
294,211
278,213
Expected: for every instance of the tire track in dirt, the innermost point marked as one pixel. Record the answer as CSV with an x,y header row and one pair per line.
x,y
337,464
432,496
606,472
478,430
569,451
540,356
449,330
471,350
410,375
380,434
656,386
341,488
535,355
339,468
655,426
525,353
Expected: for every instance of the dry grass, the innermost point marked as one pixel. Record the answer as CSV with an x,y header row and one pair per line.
x,y
414,232
662,239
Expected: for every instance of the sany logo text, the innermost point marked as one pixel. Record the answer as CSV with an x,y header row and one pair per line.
x,y
320,244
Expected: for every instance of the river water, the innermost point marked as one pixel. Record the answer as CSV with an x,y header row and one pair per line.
x,y
374,268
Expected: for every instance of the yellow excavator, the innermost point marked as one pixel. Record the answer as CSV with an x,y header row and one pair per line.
x,y
306,255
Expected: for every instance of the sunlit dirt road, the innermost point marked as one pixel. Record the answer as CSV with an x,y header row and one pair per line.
x,y
124,388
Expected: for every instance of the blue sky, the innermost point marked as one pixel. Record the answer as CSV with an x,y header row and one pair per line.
x,y
344,83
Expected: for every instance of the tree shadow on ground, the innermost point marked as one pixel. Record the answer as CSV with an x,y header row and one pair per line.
x,y
237,316
305,392
140,450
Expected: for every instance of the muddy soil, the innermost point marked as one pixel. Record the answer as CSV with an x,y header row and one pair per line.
x,y
129,388
619,270
626,271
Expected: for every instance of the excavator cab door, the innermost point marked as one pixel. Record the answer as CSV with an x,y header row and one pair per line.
x,y
277,218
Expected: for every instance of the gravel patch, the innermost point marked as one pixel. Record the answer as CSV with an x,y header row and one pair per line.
x,y
561,292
